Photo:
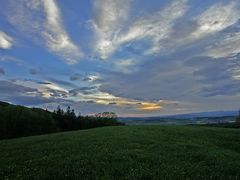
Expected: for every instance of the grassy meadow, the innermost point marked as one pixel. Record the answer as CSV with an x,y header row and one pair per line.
x,y
125,152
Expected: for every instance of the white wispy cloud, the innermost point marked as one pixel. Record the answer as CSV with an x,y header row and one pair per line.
x,y
216,18
110,28
43,19
6,42
160,26
126,66
228,46
211,21
237,74
223,20
163,30
108,22
55,35
47,89
92,77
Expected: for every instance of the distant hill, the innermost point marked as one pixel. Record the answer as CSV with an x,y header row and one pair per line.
x,y
205,114
191,115
184,119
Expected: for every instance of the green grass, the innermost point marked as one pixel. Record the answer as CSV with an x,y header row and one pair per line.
x,y
134,152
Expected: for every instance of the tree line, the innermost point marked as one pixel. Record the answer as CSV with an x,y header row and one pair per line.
x,y
19,121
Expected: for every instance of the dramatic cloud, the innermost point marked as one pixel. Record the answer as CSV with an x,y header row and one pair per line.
x,y
56,37
220,71
140,58
6,41
34,92
108,22
229,45
11,89
43,18
208,23
99,97
19,94
156,27
216,18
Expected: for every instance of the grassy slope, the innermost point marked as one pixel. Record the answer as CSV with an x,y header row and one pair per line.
x,y
137,152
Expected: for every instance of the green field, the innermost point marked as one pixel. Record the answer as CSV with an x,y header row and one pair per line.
x,y
131,152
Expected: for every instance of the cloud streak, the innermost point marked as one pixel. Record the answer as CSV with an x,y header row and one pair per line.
x,y
228,46
216,18
56,37
156,27
108,21
42,20
6,42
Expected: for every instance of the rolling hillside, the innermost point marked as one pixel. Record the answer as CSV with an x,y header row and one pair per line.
x,y
131,152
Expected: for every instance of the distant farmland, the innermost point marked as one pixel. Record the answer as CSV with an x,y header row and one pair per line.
x,y
178,120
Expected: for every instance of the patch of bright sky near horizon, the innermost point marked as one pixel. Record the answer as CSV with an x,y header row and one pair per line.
x,y
133,57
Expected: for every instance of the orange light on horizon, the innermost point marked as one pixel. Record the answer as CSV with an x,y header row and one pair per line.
x,y
150,106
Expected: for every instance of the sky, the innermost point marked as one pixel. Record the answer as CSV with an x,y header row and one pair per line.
x,y
132,57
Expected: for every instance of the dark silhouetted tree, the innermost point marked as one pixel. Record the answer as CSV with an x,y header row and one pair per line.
x,y
17,121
